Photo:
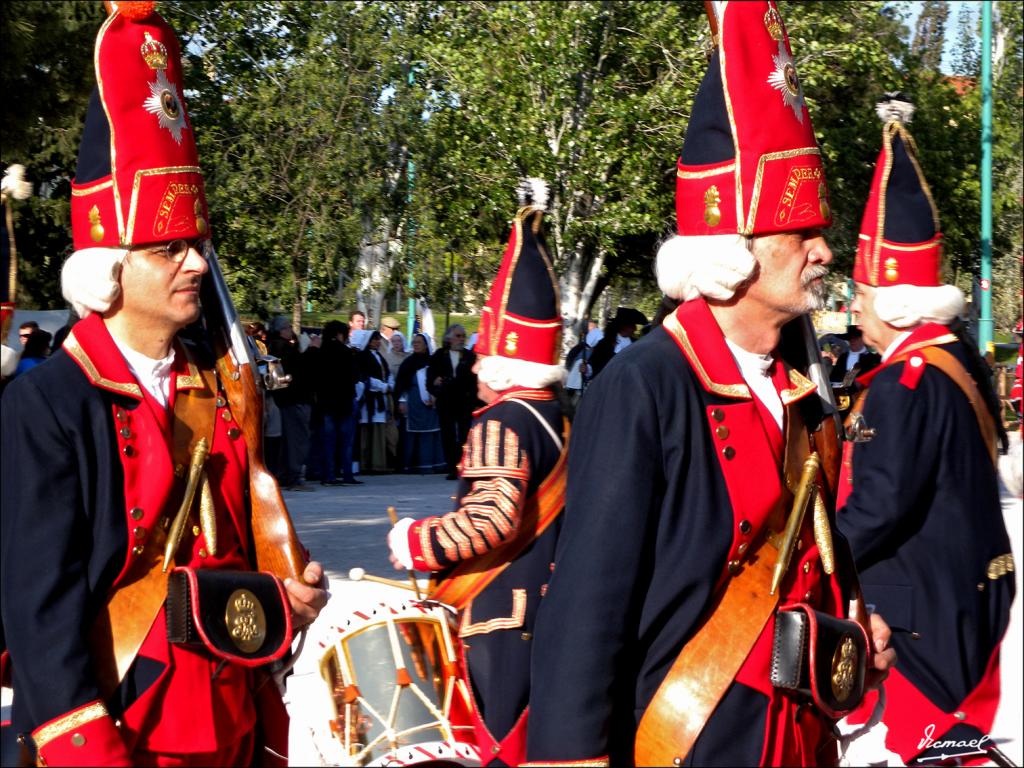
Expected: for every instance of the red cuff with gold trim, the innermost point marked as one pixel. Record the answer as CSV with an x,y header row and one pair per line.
x,y
420,562
83,736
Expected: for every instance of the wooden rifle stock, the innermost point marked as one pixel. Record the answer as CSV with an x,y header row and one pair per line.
x,y
277,546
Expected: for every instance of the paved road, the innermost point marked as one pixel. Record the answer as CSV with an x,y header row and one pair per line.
x,y
345,527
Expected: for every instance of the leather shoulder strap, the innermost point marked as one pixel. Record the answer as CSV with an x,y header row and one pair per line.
x,y
125,620
955,370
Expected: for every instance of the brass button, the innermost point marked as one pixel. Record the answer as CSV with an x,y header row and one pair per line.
x,y
807,566
728,452
221,402
981,586
677,761
527,635
136,513
202,553
915,635
807,596
179,470
226,415
121,415
543,589
799,544
234,433
742,549
960,715
734,566
78,740
196,530
139,533
125,432
137,549
717,414
495,749
722,431
129,451
745,527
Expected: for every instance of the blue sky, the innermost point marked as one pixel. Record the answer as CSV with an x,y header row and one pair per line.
x,y
914,8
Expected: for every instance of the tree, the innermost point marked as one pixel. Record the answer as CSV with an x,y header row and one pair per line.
x,y
46,71
930,33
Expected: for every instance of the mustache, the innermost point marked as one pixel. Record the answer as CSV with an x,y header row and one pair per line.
x,y
812,273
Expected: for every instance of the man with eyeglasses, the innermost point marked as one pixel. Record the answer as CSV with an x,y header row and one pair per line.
x,y
92,461
450,379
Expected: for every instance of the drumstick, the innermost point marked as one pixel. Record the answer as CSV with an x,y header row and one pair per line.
x,y
412,576
359,574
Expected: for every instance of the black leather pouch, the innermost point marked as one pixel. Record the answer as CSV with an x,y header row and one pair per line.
x,y
821,657
241,616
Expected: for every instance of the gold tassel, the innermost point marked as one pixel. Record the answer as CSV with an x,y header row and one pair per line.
x,y
823,536
208,516
199,454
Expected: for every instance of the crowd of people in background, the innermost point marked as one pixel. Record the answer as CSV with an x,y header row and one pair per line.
x,y
364,401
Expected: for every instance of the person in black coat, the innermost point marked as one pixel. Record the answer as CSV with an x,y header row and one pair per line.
x,y
919,494
450,379
618,335
334,378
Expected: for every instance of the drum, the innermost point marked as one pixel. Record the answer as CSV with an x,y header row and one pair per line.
x,y
378,683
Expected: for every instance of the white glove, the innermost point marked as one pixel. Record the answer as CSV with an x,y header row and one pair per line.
x,y
398,542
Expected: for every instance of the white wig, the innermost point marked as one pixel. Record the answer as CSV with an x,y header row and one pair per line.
x,y
91,279
905,306
713,266
8,361
501,373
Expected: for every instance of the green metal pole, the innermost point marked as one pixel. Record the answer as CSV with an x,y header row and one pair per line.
x,y
985,323
410,232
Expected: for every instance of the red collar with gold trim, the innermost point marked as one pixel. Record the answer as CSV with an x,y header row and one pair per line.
x,y
93,349
696,332
519,393
927,335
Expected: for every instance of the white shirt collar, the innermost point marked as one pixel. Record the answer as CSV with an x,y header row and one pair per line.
x,y
154,375
755,371
894,344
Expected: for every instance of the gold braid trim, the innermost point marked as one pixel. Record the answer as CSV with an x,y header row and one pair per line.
x,y
69,722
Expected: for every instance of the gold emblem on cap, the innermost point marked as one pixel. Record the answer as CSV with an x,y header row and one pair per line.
x,y
511,343
712,213
891,269
96,230
200,221
245,620
773,23
826,209
154,52
844,669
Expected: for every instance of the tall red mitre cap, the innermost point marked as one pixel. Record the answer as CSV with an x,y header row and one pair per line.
x,y
521,319
900,242
750,162
138,179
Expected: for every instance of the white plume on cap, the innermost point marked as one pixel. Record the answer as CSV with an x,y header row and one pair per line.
x,y
895,106
91,279
14,183
533,192
713,266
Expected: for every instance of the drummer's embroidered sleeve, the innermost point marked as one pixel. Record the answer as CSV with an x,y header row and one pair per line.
x,y
489,514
